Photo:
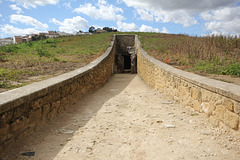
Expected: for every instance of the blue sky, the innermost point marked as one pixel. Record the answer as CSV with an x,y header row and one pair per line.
x,y
193,17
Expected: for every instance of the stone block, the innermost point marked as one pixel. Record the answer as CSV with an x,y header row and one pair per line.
x,y
196,105
52,114
35,117
4,129
56,105
196,94
19,124
47,99
20,111
207,108
36,104
231,120
237,108
228,104
45,111
206,96
219,112
7,116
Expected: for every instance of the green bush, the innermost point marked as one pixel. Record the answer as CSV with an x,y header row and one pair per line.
x,y
43,52
232,69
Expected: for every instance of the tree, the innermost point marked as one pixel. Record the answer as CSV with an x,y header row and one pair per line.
x,y
108,29
38,37
91,29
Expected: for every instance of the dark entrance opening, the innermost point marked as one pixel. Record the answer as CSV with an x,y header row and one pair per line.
x,y
127,62
125,55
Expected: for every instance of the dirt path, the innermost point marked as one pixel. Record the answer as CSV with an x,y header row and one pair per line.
x,y
128,120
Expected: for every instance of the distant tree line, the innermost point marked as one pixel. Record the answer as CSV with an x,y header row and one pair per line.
x,y
92,29
108,29
38,37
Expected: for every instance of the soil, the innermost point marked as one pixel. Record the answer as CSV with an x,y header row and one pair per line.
x,y
127,119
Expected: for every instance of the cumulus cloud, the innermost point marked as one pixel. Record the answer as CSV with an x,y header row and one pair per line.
x,y
71,25
11,30
102,10
127,26
145,28
145,15
177,12
16,8
0,15
223,14
33,3
170,5
28,21
225,20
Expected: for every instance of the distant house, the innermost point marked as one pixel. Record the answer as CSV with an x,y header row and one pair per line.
x,y
52,34
20,39
6,41
17,39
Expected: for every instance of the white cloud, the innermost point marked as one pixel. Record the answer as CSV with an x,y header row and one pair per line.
x,y
145,28
10,30
181,12
0,15
119,1
180,17
67,4
225,20
102,10
56,21
28,21
71,25
223,14
188,5
145,15
16,8
33,3
126,26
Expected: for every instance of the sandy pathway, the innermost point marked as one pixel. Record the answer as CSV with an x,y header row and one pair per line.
x,y
128,120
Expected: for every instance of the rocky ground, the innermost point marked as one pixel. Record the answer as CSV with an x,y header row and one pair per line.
x,y
128,120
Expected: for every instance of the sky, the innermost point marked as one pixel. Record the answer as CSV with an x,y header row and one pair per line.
x,y
192,17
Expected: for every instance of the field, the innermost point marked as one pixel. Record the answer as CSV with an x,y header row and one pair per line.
x,y
218,55
25,63
29,62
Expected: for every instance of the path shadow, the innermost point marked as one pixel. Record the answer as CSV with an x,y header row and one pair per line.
x,y
49,140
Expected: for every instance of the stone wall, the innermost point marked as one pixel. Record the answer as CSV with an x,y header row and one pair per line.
x,y
219,100
122,55
122,42
25,109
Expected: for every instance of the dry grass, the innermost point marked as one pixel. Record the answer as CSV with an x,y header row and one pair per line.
x,y
212,54
25,63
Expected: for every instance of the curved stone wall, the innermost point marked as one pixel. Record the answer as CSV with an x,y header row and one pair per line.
x,y
25,109
219,100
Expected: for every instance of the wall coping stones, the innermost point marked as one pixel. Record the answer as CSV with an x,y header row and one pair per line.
x,y
223,88
18,96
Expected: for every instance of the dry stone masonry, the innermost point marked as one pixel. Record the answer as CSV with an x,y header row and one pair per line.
x,y
126,59
25,109
219,100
